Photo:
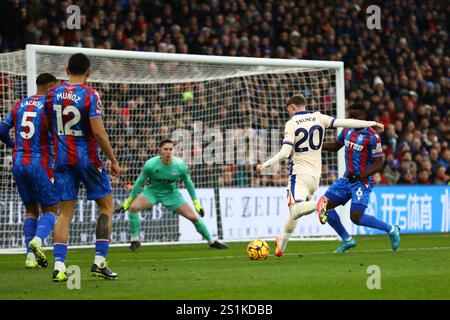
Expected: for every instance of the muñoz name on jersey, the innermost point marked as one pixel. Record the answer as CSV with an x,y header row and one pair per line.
x,y
68,95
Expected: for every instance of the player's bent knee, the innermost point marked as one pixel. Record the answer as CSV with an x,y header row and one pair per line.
x,y
138,207
106,205
186,211
32,214
295,211
139,204
53,209
134,208
300,209
355,216
32,210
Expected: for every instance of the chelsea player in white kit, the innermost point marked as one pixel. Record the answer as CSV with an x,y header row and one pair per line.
x,y
303,138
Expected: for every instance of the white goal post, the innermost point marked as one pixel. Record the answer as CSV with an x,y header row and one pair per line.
x,y
235,102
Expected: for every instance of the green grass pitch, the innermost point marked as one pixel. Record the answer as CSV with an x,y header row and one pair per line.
x,y
308,270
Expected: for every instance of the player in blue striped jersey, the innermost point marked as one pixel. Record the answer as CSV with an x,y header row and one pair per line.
x,y
33,167
75,115
363,158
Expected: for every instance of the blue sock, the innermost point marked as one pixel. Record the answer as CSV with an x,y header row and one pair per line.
x,y
101,247
29,230
60,252
335,222
372,222
45,225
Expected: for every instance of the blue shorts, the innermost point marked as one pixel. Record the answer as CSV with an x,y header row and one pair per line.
x,y
95,179
36,184
342,190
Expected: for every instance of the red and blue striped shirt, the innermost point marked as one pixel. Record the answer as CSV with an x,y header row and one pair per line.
x,y
360,148
70,108
33,142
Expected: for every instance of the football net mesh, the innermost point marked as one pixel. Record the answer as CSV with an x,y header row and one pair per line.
x,y
225,118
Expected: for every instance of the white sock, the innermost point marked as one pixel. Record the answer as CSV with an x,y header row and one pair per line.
x,y
134,238
60,266
30,255
210,241
289,228
38,240
284,241
99,260
303,208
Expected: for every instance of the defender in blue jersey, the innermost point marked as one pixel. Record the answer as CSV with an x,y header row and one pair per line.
x,y
75,116
363,158
33,167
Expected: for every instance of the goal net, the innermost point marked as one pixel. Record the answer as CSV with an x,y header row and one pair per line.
x,y
226,115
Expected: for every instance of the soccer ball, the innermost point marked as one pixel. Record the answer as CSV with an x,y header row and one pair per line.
x,y
258,250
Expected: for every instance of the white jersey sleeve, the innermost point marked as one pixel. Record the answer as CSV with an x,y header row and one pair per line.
x,y
289,133
288,143
326,120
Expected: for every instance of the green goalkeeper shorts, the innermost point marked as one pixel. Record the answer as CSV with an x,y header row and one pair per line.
x,y
172,201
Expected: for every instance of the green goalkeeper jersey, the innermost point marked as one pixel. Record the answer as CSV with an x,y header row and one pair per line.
x,y
164,177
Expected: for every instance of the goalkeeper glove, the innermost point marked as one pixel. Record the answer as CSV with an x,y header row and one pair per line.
x,y
354,177
198,208
126,204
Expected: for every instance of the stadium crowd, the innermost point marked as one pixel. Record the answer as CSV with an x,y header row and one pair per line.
x,y
400,73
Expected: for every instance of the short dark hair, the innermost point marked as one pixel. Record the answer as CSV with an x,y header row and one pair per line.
x,y
297,99
165,141
78,64
45,78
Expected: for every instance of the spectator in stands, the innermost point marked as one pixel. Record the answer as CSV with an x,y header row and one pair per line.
x,y
445,160
399,73
441,177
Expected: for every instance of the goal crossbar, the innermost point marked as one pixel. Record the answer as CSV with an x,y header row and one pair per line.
x,y
152,95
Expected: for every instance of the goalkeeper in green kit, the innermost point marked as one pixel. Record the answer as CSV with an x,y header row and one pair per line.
x,y
164,172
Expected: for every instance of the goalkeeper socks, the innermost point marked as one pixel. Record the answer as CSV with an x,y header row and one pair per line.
x,y
372,222
335,222
134,224
201,228
29,230
60,252
45,225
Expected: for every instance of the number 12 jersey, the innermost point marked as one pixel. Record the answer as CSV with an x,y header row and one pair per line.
x,y
70,108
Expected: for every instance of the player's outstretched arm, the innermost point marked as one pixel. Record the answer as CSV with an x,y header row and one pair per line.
x,y
286,149
191,189
103,141
355,123
140,181
284,153
4,135
145,174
